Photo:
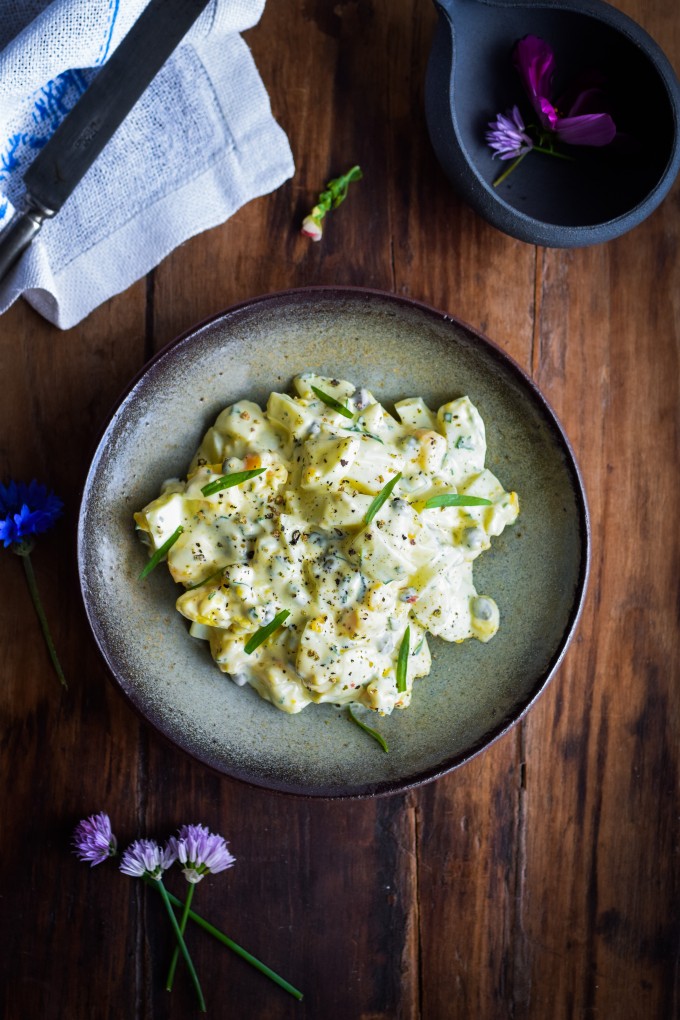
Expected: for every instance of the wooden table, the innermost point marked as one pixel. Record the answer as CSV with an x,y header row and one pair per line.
x,y
538,881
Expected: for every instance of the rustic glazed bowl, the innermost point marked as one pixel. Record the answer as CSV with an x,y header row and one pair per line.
x,y
602,192
536,570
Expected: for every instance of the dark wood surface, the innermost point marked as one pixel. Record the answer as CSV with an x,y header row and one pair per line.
x,y
541,879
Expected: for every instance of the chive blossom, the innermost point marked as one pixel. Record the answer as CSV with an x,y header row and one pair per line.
x,y
161,553
330,401
454,499
383,495
367,729
227,481
263,633
402,661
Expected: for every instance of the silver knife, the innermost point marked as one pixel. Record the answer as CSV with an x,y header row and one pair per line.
x,y
92,122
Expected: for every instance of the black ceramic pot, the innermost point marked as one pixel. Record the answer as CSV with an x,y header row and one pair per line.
x,y
602,192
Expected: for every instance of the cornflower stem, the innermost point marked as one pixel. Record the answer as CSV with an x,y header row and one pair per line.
x,y
37,602
181,943
235,948
182,927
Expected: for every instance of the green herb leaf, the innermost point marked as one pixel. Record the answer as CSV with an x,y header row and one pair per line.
x,y
226,481
367,729
361,432
402,661
263,633
332,402
336,190
454,499
199,584
383,495
160,553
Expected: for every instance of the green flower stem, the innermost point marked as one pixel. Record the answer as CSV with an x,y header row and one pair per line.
x,y
553,152
181,943
37,602
182,927
235,948
535,148
506,173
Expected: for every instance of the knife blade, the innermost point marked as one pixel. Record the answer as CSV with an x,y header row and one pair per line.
x,y
82,135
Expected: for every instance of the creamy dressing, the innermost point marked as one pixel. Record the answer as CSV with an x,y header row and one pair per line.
x,y
295,538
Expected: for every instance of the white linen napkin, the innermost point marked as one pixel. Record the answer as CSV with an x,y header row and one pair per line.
x,y
199,144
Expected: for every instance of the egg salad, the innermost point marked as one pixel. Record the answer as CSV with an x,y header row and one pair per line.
x,y
319,541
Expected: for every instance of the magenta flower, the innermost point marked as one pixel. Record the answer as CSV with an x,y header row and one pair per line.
x,y
93,839
507,135
147,858
583,121
201,851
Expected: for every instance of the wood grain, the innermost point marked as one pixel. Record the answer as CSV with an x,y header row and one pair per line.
x,y
541,879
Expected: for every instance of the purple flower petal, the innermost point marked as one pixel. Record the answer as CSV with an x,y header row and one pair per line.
x,y
507,135
93,839
591,129
146,857
547,114
591,100
535,61
201,851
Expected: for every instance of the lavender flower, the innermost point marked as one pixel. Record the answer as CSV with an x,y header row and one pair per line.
x,y
27,511
93,839
145,857
201,851
507,135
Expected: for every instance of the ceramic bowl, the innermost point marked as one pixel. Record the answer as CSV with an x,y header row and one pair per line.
x,y
601,192
536,570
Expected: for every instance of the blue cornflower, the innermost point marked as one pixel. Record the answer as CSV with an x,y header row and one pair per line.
x,y
27,511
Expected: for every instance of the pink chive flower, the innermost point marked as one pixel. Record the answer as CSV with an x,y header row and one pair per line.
x,y
507,135
93,839
145,857
583,122
201,852
311,225
331,197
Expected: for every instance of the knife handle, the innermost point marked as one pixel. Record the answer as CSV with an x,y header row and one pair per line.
x,y
16,237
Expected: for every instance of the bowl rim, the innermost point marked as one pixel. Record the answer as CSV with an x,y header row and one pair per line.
x,y
289,297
